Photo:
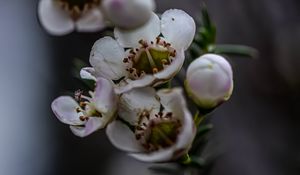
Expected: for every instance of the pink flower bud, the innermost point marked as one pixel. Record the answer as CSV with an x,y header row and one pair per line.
x,y
128,14
209,80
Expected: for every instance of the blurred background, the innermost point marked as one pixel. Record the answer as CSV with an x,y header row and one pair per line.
x,y
258,130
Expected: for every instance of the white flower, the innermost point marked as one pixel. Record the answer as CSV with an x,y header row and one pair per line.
x,y
60,17
209,80
128,14
153,127
155,52
87,114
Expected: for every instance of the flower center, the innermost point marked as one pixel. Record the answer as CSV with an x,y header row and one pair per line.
x,y
159,132
86,109
149,58
76,8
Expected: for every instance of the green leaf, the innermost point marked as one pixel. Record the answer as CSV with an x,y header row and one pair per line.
x,y
197,162
202,130
232,49
193,161
78,65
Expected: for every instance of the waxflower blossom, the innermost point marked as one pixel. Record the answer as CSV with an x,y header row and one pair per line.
x,y
60,17
153,127
209,80
87,114
128,14
147,56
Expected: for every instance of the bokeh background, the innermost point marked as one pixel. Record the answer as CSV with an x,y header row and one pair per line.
x,y
258,130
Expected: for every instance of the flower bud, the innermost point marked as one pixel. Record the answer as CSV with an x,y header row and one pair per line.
x,y
128,14
209,81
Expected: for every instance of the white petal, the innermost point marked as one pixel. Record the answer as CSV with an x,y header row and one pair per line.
x,y
122,137
146,80
64,107
178,28
134,102
92,21
92,125
107,59
128,14
105,99
188,132
54,19
88,73
174,101
147,32
163,155
170,71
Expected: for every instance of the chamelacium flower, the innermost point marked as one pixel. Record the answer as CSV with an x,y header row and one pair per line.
x,y
153,127
87,114
209,80
154,55
60,17
128,14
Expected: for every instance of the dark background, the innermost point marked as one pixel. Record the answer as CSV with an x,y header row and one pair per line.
x,y
258,130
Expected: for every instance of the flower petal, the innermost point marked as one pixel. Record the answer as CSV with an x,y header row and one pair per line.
x,y
173,68
54,19
122,137
162,155
105,99
92,125
136,101
188,132
92,21
174,101
128,14
88,73
107,59
146,80
178,28
65,109
147,32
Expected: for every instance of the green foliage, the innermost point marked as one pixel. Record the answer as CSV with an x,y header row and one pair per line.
x,y
205,40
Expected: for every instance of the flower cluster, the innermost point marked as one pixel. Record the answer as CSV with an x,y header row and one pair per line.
x,y
151,123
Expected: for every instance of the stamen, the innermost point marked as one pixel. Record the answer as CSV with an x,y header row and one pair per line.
x,y
149,58
125,60
77,8
77,95
157,40
155,70
143,43
83,118
138,136
78,110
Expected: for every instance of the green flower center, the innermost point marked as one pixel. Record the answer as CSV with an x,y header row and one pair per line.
x,y
77,7
160,132
150,58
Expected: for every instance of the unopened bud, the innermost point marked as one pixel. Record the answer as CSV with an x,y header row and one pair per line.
x,y
128,14
209,81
